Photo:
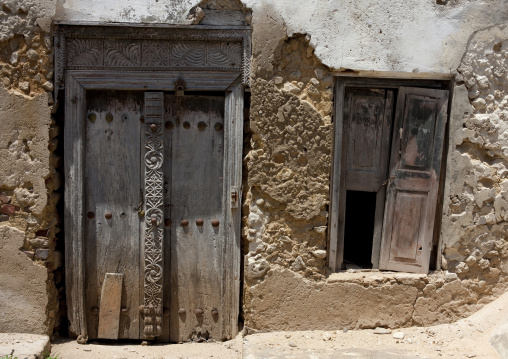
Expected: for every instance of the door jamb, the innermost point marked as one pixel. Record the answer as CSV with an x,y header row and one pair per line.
x,y
77,82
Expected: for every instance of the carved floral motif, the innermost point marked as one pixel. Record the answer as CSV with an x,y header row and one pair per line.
x,y
84,52
153,254
119,53
155,53
115,48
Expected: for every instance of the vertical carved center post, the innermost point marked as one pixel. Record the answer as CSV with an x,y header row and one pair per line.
x,y
154,206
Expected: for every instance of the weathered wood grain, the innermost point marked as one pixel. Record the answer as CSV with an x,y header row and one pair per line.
x,y
146,25
415,165
366,116
109,312
75,112
169,222
335,227
194,81
197,182
233,142
383,174
367,137
112,186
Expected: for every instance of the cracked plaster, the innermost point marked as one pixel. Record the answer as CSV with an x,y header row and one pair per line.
x,y
288,158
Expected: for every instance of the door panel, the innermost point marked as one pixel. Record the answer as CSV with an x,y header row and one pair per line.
x,y
406,239
112,192
418,132
368,117
415,163
195,202
367,128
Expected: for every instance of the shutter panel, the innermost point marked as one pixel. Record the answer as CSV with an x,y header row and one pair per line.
x,y
416,154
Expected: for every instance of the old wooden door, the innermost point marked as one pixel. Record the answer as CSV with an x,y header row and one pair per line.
x,y
141,172
194,203
112,226
415,164
156,261
367,130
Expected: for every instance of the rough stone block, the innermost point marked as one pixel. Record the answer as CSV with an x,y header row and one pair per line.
x,y
449,303
29,119
4,217
48,86
499,339
39,242
24,86
8,209
41,254
4,198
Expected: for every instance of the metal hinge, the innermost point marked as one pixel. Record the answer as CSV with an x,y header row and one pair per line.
x,y
235,196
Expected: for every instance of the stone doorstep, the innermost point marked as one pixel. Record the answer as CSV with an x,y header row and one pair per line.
x,y
25,346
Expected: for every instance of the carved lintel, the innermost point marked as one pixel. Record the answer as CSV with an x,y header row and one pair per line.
x,y
132,49
154,207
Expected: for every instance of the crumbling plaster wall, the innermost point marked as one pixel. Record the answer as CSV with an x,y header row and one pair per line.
x,y
288,158
475,220
288,162
28,137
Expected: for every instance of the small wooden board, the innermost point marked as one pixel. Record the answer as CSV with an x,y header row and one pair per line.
x,y
111,298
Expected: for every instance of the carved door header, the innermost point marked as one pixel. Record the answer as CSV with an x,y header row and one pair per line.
x,y
152,49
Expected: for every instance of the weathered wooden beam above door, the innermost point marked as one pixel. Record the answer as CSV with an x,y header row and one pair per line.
x,y
212,52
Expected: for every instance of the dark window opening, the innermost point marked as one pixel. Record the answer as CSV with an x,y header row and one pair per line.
x,y
359,229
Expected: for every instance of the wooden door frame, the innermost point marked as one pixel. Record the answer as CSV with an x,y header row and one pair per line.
x,y
80,80
336,222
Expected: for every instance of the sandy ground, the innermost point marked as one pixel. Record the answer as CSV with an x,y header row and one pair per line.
x,y
467,338
70,350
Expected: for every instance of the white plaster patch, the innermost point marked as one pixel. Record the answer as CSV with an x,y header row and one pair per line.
x,y
257,220
134,11
256,267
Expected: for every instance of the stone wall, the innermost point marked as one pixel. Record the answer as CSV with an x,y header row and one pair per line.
x,y
288,165
476,212
287,158
29,181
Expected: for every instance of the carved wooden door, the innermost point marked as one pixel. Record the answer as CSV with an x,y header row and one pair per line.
x,y
131,179
415,164
156,229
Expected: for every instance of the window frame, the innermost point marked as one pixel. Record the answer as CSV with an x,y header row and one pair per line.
x,y
337,210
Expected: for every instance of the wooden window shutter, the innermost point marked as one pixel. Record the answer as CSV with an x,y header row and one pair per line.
x,y
416,154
